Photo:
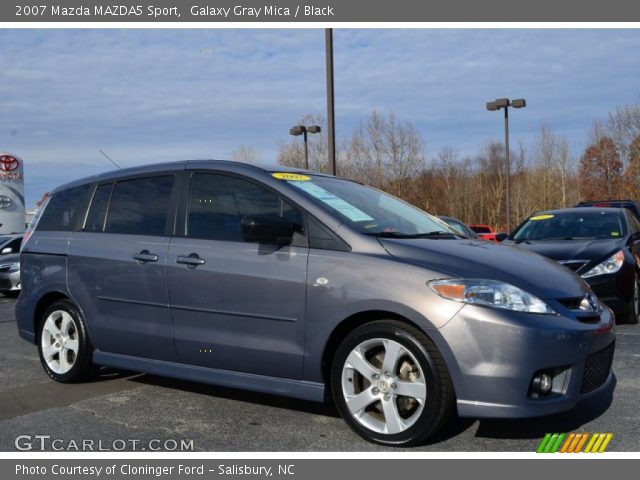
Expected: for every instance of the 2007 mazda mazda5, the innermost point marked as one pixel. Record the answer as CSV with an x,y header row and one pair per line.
x,y
305,285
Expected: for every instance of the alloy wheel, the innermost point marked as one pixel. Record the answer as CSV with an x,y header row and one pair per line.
x,y
383,386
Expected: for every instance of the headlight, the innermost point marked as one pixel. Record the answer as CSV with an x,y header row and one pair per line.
x,y
610,265
490,293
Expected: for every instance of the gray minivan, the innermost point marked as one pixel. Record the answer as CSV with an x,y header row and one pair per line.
x,y
305,285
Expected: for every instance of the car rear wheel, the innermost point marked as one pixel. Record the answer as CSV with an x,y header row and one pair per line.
x,y
390,384
63,344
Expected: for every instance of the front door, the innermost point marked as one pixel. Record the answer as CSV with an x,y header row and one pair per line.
x,y
237,305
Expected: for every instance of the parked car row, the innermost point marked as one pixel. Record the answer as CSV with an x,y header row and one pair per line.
x,y
310,286
10,264
598,240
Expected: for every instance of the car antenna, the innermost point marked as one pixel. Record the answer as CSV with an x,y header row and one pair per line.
x,y
109,158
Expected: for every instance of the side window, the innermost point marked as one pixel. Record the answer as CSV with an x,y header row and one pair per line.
x,y
217,204
140,206
634,224
98,209
62,210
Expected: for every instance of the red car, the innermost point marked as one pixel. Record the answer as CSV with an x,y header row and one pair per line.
x,y
485,232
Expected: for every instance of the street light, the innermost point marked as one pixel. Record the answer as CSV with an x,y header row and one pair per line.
x,y
302,130
505,103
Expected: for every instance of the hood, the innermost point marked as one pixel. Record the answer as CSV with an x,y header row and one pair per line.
x,y
591,252
537,275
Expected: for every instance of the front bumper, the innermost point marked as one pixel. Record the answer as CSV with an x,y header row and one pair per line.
x,y
615,290
494,355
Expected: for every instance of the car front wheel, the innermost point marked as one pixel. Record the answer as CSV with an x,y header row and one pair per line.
x,y
390,384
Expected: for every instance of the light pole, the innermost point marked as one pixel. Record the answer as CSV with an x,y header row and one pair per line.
x,y
302,130
505,103
331,134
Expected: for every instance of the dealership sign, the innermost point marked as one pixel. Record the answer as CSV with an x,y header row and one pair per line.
x,y
12,207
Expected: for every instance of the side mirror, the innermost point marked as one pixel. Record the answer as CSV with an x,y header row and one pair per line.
x,y
6,250
501,237
266,229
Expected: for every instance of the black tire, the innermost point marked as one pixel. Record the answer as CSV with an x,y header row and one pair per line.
x,y
634,308
437,406
82,367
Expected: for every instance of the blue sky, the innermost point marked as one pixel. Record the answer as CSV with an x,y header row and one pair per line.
x,y
148,95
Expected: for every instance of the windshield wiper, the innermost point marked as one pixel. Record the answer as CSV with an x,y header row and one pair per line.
x,y
568,238
434,234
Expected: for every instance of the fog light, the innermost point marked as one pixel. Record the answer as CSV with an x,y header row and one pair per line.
x,y
542,384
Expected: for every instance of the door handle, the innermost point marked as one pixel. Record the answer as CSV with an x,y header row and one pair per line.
x,y
144,256
191,261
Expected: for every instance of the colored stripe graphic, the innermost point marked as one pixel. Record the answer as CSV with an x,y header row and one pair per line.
x,y
606,442
591,442
582,442
574,442
543,443
571,441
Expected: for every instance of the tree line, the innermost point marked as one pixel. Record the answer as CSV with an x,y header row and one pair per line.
x,y
390,154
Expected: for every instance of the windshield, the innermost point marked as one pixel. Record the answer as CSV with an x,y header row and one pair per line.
x,y
458,227
366,209
571,226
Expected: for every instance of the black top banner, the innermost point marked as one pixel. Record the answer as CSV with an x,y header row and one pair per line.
x,y
324,11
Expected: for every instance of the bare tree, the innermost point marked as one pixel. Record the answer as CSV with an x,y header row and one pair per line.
x,y
246,154
386,151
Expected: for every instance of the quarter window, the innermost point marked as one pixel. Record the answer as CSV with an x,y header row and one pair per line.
x,y
140,206
63,209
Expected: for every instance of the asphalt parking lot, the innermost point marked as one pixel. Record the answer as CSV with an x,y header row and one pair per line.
x,y
125,409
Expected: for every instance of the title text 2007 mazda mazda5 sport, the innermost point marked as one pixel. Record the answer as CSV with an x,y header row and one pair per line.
x,y
309,286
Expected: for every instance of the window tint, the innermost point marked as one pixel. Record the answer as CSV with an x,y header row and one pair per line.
x,y
572,226
63,209
98,209
634,224
217,204
140,206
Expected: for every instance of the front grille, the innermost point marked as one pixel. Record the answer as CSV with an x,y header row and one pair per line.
x,y
574,265
596,369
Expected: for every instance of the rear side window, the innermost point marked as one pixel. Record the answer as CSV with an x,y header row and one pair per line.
x,y
63,209
217,204
98,209
140,206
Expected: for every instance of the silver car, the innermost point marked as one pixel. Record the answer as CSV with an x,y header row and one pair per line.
x,y
10,264
309,286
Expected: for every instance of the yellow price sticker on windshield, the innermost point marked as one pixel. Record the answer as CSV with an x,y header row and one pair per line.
x,y
541,217
291,176
615,234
